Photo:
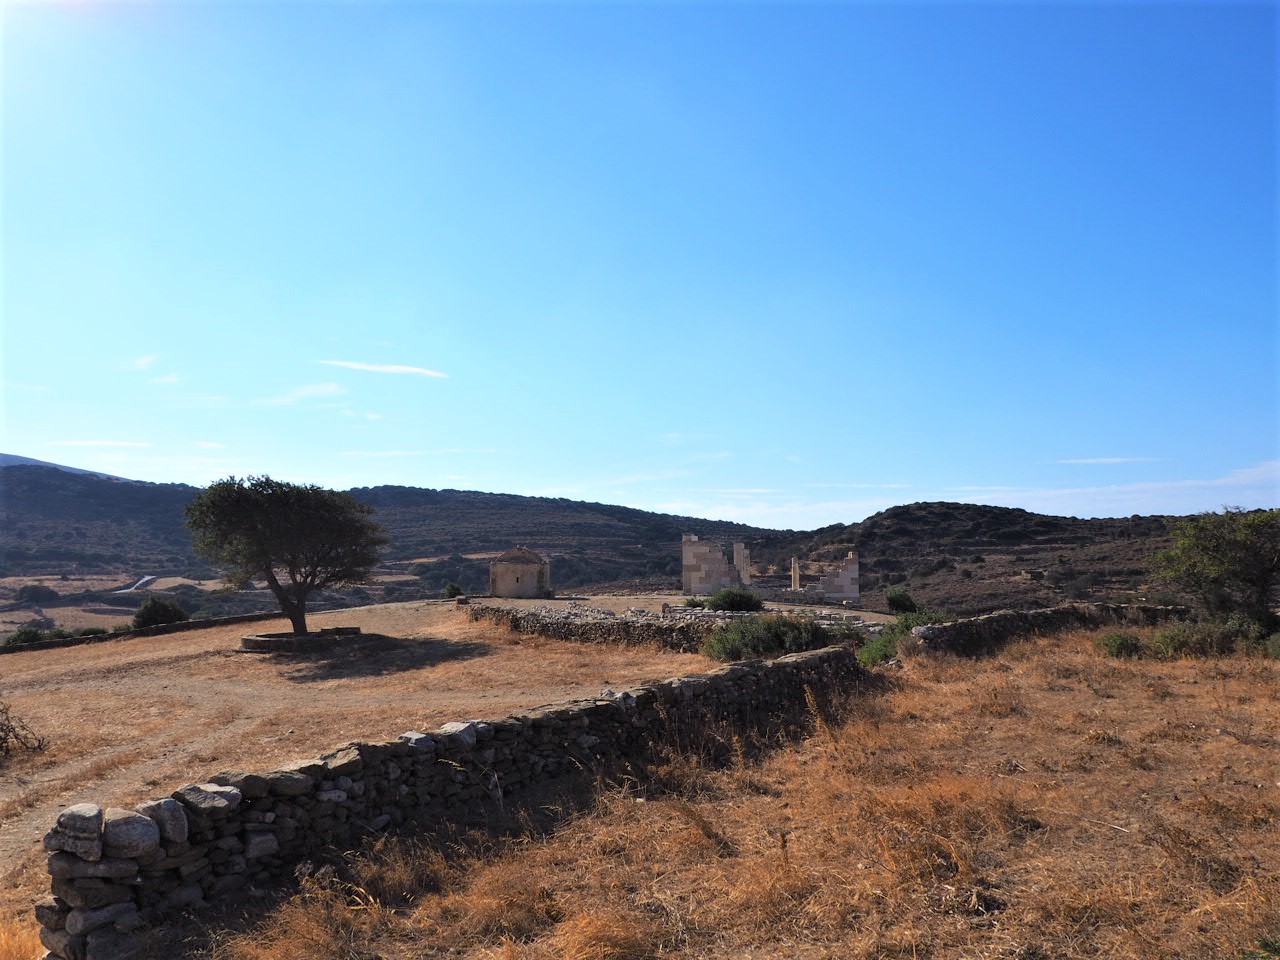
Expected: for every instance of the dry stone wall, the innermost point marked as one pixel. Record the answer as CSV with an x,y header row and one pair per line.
x,y
115,872
589,625
977,634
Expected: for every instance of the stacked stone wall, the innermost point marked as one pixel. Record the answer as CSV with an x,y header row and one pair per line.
x,y
979,634
599,626
115,872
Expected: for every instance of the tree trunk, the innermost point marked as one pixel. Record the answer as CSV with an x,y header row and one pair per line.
x,y
294,607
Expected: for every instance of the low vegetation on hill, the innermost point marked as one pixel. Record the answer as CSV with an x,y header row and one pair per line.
x,y
1050,802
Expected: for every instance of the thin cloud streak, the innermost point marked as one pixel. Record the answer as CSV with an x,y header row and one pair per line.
x,y
142,363
383,368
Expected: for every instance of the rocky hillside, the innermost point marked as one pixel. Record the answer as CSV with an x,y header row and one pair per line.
x,y
963,558
969,558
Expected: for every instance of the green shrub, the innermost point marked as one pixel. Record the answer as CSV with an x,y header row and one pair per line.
x,y
452,590
1271,647
26,635
36,593
900,601
735,598
1120,644
696,602
157,611
767,637
883,646
91,631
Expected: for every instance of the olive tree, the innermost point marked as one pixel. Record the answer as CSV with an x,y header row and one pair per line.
x,y
1230,561
298,538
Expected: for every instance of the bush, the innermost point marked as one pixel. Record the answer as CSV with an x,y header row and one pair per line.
x,y
14,732
157,611
26,635
735,598
1120,644
91,631
884,645
768,637
36,593
900,601
696,602
452,590
1271,647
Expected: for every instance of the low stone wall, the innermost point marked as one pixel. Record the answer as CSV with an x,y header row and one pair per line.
x,y
978,634
140,632
587,625
115,872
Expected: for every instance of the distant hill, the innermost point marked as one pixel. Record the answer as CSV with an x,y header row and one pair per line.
x,y
971,558
12,460
964,558
53,521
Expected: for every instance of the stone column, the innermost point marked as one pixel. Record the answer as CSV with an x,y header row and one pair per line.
x,y
795,574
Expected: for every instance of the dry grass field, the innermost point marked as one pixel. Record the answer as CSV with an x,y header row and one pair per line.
x,y
1046,803
134,719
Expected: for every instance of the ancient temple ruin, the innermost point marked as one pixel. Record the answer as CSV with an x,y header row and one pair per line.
x,y
705,568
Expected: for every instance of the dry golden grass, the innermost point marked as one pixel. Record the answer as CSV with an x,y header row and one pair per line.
x,y
1047,803
19,941
132,719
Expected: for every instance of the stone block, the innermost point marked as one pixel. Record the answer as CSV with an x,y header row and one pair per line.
x,y
52,913
90,894
111,944
169,816
66,866
78,830
251,785
260,845
82,921
208,799
289,783
345,761
127,834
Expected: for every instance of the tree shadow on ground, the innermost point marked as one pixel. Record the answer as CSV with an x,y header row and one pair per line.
x,y
372,655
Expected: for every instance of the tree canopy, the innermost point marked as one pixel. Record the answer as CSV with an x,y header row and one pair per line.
x,y
298,538
1230,561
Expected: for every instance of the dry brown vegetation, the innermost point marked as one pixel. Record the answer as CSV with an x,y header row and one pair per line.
x,y
1046,803
134,719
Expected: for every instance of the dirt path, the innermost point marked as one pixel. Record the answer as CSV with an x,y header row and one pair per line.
x,y
134,719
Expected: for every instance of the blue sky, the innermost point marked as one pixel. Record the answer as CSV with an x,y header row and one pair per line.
x,y
786,263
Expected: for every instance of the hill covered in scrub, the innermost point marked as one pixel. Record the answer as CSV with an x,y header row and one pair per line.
x,y
969,558
54,521
962,558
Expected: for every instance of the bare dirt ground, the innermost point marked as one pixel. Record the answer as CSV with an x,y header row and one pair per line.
x,y
134,719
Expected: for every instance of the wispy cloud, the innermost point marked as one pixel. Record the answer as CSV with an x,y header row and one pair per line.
x,y
383,368
96,443
209,445
1109,460
741,491
142,363
309,391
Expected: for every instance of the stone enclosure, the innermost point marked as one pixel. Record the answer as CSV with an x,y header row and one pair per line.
x,y
115,873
